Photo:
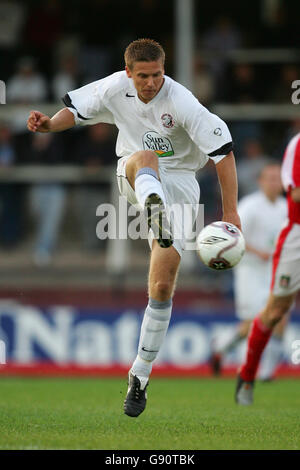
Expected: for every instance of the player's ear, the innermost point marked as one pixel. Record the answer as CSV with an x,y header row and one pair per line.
x,y
128,71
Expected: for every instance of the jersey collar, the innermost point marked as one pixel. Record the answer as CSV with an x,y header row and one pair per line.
x,y
156,98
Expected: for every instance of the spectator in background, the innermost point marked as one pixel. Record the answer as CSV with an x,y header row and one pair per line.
x,y
203,82
66,77
10,193
27,85
210,192
47,199
242,87
44,27
219,40
95,151
96,24
250,166
244,130
282,89
12,17
293,129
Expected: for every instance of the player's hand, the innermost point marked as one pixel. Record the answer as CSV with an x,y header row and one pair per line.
x,y
233,218
38,122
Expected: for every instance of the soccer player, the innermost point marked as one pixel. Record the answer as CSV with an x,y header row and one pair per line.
x,y
285,276
262,214
165,136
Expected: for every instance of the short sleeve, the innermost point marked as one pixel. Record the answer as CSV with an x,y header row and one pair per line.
x,y
87,104
290,170
207,130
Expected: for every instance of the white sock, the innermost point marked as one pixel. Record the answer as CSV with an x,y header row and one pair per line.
x,y
146,183
141,368
154,327
270,358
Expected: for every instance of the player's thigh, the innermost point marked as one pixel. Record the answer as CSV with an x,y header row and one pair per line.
x,y
281,325
124,186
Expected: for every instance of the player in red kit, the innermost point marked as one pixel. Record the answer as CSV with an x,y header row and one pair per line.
x,y
285,277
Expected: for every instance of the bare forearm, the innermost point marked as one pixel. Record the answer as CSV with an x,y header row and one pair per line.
x,y
264,255
226,171
62,120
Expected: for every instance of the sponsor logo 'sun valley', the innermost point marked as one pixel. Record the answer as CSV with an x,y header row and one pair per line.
x,y
160,145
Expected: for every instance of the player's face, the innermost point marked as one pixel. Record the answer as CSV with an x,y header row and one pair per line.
x,y
270,181
148,78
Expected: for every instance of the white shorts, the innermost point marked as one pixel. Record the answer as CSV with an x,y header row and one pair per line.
x,y
180,187
286,261
251,289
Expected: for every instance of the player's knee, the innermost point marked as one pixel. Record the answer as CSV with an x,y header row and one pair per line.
x,y
275,314
146,158
162,289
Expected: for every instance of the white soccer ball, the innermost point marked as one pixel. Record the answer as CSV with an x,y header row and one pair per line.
x,y
220,245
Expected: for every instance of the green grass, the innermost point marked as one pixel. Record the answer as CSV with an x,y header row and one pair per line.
x,y
181,414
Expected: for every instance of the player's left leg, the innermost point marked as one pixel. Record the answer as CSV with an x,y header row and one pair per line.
x,y
162,278
262,327
142,173
219,352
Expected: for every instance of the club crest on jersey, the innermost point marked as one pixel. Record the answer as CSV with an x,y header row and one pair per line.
x,y
284,281
167,120
160,145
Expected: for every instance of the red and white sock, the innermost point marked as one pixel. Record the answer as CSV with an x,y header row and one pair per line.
x,y
257,341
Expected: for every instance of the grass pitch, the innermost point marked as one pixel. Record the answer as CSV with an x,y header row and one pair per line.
x,y
181,414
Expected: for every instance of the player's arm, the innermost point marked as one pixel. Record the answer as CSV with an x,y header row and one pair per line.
x,y
261,254
39,122
226,171
295,194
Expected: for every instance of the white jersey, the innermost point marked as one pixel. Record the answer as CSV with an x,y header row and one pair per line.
x,y
182,132
261,222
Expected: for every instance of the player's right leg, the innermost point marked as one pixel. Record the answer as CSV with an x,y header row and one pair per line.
x,y
162,278
143,176
262,327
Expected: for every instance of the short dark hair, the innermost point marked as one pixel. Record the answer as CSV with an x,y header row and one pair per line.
x,y
143,50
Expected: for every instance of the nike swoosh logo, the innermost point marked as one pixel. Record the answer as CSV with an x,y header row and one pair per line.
x,y
147,350
130,96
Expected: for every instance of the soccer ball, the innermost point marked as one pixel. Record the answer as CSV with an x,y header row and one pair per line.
x,y
220,245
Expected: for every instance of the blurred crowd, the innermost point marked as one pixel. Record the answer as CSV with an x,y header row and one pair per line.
x,y
52,47
40,207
